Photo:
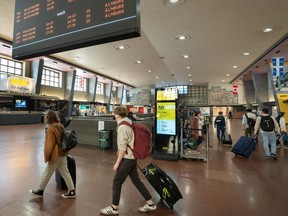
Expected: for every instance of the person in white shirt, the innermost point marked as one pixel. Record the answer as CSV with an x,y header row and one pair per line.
x,y
282,124
267,125
249,129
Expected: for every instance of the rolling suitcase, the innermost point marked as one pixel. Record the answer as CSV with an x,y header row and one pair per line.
x,y
163,184
72,169
244,146
226,139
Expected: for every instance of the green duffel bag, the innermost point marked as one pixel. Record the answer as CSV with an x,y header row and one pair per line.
x,y
192,143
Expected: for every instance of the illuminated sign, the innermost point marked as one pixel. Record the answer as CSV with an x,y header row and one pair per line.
x,y
19,84
166,118
167,94
43,27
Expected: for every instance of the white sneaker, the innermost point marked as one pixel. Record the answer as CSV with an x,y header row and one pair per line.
x,y
147,208
109,211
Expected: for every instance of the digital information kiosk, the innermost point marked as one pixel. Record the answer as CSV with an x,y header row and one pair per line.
x,y
166,125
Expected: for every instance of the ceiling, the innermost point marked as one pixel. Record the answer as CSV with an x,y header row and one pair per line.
x,y
220,32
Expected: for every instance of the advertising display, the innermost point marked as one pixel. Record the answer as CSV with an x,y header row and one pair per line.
x,y
167,94
18,84
166,115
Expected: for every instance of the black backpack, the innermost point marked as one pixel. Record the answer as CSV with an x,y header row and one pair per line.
x,y
267,123
69,139
250,121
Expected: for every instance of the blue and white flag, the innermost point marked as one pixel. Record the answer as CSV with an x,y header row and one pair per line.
x,y
278,69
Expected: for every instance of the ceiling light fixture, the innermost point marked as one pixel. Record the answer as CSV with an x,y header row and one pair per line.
x,y
76,58
246,53
227,75
182,37
189,74
185,56
139,62
223,80
235,66
176,2
267,29
187,67
149,71
157,77
122,47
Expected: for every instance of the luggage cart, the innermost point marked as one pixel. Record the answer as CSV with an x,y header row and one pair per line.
x,y
188,153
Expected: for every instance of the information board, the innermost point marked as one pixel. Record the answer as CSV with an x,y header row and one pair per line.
x,y
166,115
43,27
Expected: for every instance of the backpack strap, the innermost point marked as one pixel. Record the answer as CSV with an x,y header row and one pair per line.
x,y
130,125
60,129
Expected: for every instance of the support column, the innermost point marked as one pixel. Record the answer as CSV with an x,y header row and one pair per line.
x,y
261,89
36,73
69,89
249,92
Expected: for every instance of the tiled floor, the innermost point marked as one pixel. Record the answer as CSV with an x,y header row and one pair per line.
x,y
224,185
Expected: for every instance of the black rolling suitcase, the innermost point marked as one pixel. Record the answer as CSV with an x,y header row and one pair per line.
x,y
163,184
226,139
72,169
244,146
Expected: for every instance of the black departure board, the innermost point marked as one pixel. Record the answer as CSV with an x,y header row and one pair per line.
x,y
42,27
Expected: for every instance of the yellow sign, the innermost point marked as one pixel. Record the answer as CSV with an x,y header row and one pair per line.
x,y
283,103
167,94
20,84
166,111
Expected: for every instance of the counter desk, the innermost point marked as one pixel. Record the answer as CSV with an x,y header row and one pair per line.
x,y
87,129
16,118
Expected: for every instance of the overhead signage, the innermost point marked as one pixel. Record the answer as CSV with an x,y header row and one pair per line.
x,y
18,84
43,27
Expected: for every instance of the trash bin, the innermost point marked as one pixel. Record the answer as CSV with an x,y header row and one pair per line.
x,y
105,139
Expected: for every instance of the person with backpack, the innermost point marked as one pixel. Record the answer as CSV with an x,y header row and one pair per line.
x,y
282,124
267,124
126,165
248,122
220,125
54,157
196,125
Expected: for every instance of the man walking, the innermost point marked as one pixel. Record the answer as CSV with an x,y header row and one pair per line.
x,y
267,124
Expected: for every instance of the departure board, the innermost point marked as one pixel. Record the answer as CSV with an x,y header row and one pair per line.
x,y
42,27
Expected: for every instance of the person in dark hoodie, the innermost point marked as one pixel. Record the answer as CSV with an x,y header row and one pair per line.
x,y
61,114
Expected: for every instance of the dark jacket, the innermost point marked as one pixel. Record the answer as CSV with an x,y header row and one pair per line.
x,y
63,120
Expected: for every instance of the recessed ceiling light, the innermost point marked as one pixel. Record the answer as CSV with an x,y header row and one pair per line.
x,y
162,81
189,74
187,67
235,66
76,58
246,53
227,75
139,62
122,47
182,37
191,80
267,29
185,56
157,77
149,71
176,2
223,80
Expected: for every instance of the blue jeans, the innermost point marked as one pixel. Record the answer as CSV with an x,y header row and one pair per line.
x,y
220,131
269,138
